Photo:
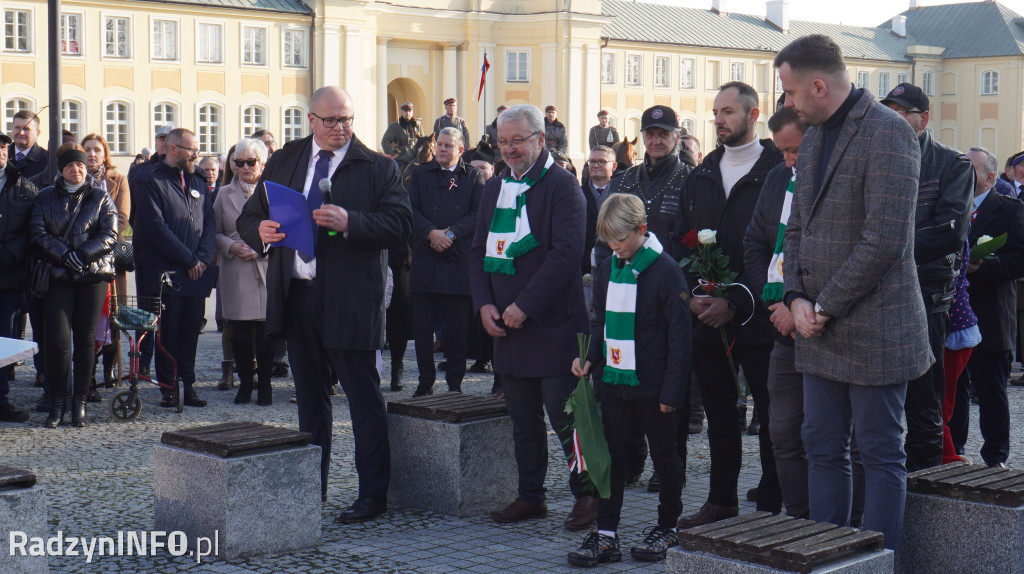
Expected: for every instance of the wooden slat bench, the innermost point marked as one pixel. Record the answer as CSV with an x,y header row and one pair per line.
x,y
778,541
254,487
463,443
963,518
22,510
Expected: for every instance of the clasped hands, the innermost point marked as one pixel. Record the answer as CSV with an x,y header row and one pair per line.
x,y
439,240
513,318
582,371
808,323
712,311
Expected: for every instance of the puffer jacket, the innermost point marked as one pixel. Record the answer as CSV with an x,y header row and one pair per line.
x,y
945,201
16,200
92,236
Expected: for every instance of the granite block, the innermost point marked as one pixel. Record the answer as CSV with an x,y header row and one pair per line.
x,y
680,561
264,503
459,469
943,535
22,510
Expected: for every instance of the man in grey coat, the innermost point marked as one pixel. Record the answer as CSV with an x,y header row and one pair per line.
x,y
851,284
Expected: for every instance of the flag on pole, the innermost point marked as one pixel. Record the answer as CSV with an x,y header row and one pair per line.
x,y
483,76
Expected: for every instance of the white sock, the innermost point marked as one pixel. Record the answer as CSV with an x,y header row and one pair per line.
x,y
609,533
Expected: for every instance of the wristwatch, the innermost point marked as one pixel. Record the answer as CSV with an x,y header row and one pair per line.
x,y
450,234
819,311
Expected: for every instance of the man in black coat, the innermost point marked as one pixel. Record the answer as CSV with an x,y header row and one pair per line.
x,y
993,299
175,232
720,194
532,303
27,155
16,197
330,308
445,196
942,216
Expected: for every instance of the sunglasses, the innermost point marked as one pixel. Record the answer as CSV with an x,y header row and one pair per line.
x,y
251,162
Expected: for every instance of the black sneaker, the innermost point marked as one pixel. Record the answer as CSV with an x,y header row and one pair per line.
x,y
596,548
657,540
9,414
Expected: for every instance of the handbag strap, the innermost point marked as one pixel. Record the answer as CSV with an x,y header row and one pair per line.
x,y
71,222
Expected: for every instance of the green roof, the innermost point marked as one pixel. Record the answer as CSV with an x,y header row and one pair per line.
x,y
286,6
967,30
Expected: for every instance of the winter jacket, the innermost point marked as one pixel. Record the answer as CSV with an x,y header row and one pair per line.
x,y
91,237
16,199
554,136
400,139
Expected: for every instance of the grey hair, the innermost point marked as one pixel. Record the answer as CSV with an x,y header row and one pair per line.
x,y
526,113
991,164
251,146
455,134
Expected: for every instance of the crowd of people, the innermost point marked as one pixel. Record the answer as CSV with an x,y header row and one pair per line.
x,y
827,271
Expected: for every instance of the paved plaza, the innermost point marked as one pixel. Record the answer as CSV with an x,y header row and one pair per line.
x,y
99,480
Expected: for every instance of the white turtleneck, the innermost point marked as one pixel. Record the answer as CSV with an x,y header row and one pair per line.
x,y
737,162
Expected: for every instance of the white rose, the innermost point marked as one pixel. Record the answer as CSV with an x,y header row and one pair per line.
x,y
706,236
984,239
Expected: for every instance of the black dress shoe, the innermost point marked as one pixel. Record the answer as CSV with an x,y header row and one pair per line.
x,y
193,400
362,509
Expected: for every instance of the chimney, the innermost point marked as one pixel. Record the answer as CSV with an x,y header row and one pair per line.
x,y
720,7
915,4
777,14
899,25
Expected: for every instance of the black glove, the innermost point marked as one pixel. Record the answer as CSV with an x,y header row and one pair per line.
x,y
72,262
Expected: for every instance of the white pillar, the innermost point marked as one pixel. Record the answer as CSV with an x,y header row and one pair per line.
x,y
576,107
450,73
354,66
591,93
548,75
382,86
331,56
462,78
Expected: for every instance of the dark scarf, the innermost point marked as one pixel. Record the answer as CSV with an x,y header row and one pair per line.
x,y
406,123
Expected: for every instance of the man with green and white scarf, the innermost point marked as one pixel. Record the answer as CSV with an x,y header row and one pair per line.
x,y
763,252
528,293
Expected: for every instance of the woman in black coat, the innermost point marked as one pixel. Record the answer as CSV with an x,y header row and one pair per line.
x,y
73,230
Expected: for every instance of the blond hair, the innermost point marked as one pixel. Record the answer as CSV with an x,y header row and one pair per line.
x,y
621,214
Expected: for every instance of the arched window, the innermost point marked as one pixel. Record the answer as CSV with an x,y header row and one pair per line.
x,y
294,124
989,83
253,118
117,120
209,125
13,106
72,119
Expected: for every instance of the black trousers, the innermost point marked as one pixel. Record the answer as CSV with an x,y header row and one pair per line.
x,y
426,308
718,390
618,415
526,400
312,364
923,406
399,319
71,311
249,340
10,309
989,372
179,334
34,305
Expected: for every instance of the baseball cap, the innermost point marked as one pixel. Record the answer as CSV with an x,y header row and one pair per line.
x,y
407,106
662,117
5,139
909,96
163,131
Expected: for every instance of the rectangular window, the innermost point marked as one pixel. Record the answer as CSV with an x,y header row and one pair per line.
x,y
883,84
16,30
71,34
989,83
208,51
164,114
517,66
117,37
165,40
254,46
863,78
253,118
686,73
209,129
661,71
736,72
634,65
902,78
761,78
294,127
607,68
116,120
71,117
295,48
928,83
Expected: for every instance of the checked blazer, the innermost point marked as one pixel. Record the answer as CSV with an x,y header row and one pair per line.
x,y
850,248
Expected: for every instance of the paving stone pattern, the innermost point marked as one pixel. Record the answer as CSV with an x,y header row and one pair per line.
x,y
99,480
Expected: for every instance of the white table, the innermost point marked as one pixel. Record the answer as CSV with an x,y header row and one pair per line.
x,y
14,350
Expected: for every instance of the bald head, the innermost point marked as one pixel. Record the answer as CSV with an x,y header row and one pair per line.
x,y
331,117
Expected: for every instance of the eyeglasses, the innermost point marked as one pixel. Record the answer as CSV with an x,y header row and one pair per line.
x,y
517,142
191,150
597,162
905,112
251,162
329,123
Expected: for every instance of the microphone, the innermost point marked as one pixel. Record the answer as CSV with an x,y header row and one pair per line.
x,y
325,188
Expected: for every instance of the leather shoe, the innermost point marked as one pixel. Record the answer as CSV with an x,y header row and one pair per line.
x,y
193,400
519,510
362,509
707,514
583,514
996,465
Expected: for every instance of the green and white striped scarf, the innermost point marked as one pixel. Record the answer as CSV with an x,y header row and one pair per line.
x,y
620,314
510,235
773,289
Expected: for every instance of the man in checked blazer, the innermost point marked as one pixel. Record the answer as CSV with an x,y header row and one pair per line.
x,y
851,284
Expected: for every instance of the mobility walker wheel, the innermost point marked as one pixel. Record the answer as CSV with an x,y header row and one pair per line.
x,y
126,406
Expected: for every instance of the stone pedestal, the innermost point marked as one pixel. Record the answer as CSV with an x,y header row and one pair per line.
x,y
253,504
459,469
942,535
22,510
685,562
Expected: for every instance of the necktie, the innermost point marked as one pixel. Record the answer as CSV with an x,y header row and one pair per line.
x,y
20,156
600,190
315,197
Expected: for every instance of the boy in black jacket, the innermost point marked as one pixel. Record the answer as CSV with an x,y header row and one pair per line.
x,y
641,354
